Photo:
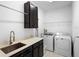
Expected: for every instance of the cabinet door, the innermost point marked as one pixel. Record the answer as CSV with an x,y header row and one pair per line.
x,y
33,17
27,55
41,50
26,17
35,23
38,49
30,20
35,52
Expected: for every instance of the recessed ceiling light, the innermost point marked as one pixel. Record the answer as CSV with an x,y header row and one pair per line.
x,y
50,1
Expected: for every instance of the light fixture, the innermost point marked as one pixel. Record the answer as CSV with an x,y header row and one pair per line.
x,y
50,1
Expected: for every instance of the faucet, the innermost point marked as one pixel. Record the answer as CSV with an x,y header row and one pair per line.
x,y
12,37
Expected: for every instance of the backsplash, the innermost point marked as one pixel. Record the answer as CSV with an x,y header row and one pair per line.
x,y
18,28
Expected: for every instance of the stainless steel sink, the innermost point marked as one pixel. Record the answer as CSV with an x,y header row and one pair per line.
x,y
12,47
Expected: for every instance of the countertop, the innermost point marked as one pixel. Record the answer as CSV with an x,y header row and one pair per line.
x,y
28,43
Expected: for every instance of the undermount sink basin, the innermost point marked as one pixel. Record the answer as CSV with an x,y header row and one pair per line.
x,y
12,47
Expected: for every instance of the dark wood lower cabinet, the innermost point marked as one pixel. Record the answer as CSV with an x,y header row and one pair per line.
x,y
40,50
28,55
36,50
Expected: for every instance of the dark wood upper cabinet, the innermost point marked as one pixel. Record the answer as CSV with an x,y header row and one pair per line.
x,y
30,20
26,17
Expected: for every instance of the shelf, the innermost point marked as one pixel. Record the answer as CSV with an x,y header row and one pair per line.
x,y
59,22
7,21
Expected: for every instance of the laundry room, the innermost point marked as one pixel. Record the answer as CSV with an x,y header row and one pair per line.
x,y
39,29
58,25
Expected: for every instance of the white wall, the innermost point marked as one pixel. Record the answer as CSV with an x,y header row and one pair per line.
x,y
10,15
59,20
12,20
75,28
40,19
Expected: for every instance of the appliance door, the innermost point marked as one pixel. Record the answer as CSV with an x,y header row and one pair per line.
x,y
63,46
48,41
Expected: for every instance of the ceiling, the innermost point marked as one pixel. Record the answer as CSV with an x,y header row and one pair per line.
x,y
47,5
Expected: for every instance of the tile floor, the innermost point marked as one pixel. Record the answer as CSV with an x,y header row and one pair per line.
x,y
51,54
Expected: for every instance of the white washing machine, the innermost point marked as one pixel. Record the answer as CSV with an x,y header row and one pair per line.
x,y
63,45
48,41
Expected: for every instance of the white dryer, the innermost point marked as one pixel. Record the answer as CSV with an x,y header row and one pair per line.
x,y
48,41
63,45
76,46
